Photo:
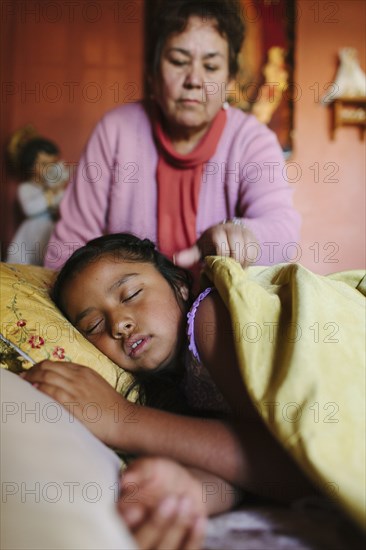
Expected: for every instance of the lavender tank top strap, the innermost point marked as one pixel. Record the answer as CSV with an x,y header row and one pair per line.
x,y
190,322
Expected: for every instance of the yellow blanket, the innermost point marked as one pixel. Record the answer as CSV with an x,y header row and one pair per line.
x,y
300,340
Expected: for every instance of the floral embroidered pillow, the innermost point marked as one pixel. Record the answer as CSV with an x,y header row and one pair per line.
x,y
31,321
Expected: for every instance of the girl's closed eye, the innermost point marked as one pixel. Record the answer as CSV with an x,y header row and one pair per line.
x,y
96,326
131,296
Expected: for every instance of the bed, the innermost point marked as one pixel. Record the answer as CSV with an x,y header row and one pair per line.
x,y
59,482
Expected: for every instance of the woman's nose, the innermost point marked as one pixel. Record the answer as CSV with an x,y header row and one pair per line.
x,y
194,78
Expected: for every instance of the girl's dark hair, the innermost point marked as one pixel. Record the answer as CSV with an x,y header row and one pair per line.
x,y
29,151
160,389
122,246
171,16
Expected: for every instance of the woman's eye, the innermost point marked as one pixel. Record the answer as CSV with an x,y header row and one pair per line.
x,y
131,296
178,62
211,68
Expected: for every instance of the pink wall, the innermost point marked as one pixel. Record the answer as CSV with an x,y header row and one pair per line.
x,y
63,65
106,48
333,236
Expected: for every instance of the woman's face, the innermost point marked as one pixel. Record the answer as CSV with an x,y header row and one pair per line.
x,y
128,311
193,76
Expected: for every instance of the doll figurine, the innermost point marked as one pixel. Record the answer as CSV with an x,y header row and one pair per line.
x,y
43,176
276,82
350,80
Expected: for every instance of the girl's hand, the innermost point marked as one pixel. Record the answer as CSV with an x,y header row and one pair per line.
x,y
84,393
231,239
162,504
168,527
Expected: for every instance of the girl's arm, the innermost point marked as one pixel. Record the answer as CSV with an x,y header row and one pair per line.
x,y
242,452
209,445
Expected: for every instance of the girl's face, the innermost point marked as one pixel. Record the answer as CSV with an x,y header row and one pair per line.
x,y
128,311
194,75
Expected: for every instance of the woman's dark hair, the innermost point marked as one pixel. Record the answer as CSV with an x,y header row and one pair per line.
x,y
160,389
28,154
171,16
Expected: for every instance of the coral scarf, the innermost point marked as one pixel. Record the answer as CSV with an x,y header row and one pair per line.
x,y
179,181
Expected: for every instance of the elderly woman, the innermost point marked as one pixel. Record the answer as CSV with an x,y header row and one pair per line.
x,y
183,168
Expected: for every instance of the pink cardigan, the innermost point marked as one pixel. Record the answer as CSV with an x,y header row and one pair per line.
x,y
114,188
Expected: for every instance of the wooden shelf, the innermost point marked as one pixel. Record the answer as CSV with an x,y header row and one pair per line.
x,y
349,111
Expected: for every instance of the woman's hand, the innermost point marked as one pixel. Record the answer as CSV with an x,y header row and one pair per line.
x,y
231,239
162,504
84,393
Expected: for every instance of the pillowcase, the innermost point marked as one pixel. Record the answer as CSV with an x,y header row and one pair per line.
x,y
59,482
31,321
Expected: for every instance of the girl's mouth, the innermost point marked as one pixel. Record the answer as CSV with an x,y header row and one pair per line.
x,y
137,346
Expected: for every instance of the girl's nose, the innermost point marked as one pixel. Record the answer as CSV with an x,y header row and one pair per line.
x,y
122,328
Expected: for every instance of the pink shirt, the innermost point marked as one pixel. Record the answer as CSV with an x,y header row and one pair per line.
x,y
114,188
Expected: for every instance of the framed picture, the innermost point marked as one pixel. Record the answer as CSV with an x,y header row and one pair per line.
x,y
266,75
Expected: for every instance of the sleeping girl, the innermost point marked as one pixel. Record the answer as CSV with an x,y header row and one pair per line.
x,y
207,443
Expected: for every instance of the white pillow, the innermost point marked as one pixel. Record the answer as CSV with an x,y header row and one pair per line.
x,y
59,482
